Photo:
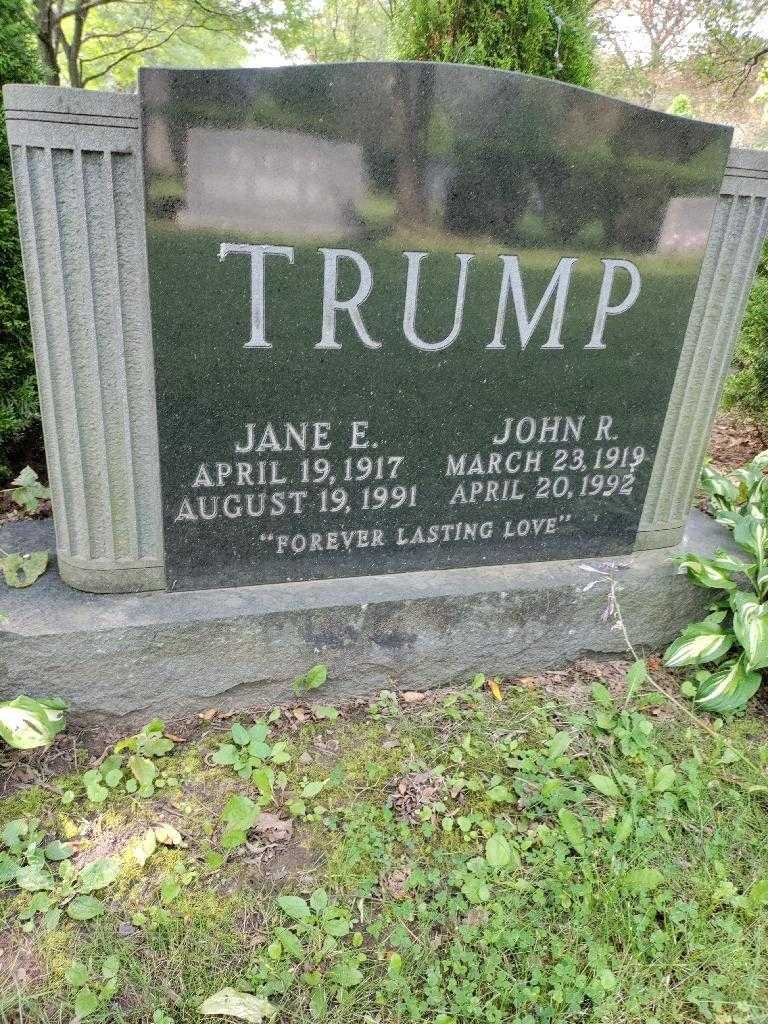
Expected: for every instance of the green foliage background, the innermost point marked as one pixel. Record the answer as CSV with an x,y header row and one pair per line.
x,y
18,391
747,390
551,39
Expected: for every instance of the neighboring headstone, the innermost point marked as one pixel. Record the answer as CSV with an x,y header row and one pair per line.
x,y
411,316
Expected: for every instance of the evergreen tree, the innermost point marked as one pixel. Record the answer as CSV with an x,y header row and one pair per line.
x,y
541,37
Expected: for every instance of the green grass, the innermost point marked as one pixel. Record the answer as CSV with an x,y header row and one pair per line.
x,y
630,883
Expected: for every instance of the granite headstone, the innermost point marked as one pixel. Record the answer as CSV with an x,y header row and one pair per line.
x,y
411,316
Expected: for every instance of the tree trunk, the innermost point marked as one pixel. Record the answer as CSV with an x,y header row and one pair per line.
x,y
73,51
47,32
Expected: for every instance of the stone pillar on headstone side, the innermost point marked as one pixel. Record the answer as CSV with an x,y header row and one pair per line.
x,y
735,244
77,175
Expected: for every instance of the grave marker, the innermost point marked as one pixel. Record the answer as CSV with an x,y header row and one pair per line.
x,y
411,316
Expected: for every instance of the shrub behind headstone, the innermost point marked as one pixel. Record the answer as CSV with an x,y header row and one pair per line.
x,y
747,390
19,415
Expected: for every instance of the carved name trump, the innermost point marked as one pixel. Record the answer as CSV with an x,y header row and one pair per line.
x,y
511,286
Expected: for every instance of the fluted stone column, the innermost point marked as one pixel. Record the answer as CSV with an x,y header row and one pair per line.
x,y
77,175
735,243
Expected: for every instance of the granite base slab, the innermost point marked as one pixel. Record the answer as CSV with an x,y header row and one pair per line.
x,y
134,656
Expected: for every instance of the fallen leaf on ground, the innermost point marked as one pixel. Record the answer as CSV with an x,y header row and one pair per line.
x,y
396,883
493,686
274,829
477,917
412,792
168,835
413,696
241,1005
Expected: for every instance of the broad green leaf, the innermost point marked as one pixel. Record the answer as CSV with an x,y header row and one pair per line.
x,y
233,837
311,789
572,828
98,875
608,979
559,744
706,572
258,732
312,680
318,1004
295,907
280,753
758,893
240,735
316,676
84,908
602,695
34,878
170,890
240,812
56,850
290,943
23,570
319,899
76,975
258,749
728,689
27,491
500,794
750,624
636,676
714,483
52,919
643,880
345,975
240,1005
664,779
264,779
226,754
604,784
698,645
336,926
142,769
86,1003
329,714
623,829
113,777
498,851
26,723
8,867
110,967
725,560
14,831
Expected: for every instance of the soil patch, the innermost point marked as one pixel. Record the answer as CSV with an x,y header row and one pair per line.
x,y
734,441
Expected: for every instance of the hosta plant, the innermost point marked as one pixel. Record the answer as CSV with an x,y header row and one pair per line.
x,y
729,648
26,723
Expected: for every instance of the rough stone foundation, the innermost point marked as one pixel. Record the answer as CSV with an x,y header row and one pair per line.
x,y
134,656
